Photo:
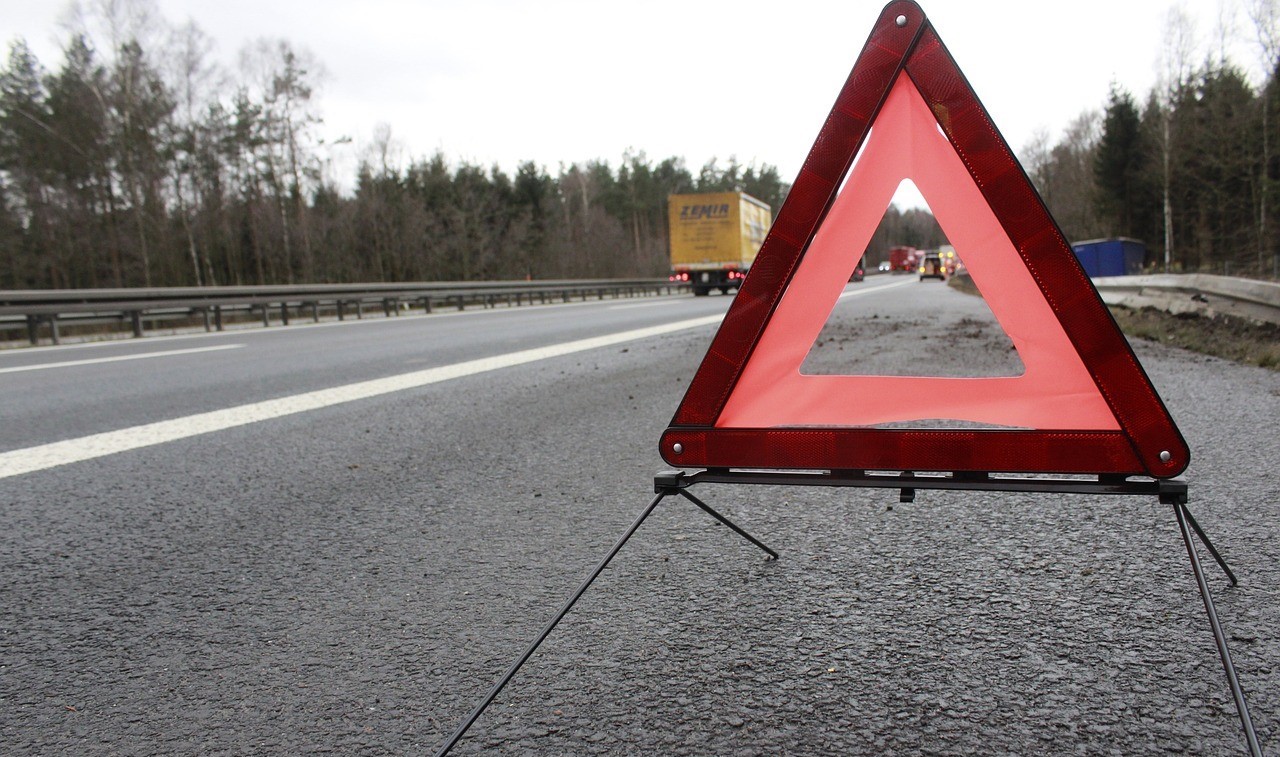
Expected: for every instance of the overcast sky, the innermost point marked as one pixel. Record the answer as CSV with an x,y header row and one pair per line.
x,y
559,81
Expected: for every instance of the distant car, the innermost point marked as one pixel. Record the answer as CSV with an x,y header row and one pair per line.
x,y
931,267
885,267
858,272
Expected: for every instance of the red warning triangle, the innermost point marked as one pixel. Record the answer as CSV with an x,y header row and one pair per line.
x,y
1083,404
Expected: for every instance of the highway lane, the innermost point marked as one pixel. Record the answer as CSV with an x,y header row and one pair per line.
x,y
64,401
113,385
353,578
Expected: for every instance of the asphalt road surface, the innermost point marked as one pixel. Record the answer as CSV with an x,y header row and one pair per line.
x,y
334,539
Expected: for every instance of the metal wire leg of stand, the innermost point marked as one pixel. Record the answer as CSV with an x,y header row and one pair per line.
x,y
546,631
736,529
1205,540
1219,638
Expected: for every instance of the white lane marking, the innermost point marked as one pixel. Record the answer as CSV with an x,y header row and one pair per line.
x,y
118,358
881,288
638,305
30,459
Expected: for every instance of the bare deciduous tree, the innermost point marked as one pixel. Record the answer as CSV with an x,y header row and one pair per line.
x,y
1174,73
1265,17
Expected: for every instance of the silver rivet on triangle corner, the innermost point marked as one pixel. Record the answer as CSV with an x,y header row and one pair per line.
x,y
677,448
901,20
1165,456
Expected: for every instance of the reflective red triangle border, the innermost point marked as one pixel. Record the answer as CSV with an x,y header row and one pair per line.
x,y
1148,442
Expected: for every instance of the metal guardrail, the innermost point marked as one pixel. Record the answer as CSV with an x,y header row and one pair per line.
x,y
1201,293
46,310
37,311
1204,294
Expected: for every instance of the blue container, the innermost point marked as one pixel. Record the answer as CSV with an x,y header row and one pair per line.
x,y
1119,256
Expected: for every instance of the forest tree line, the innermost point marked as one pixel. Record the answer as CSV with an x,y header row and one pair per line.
x,y
1192,168
137,160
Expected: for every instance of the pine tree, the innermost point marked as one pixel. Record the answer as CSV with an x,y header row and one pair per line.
x,y
1119,165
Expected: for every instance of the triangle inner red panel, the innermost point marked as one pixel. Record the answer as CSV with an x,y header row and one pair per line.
x,y
1055,391
748,406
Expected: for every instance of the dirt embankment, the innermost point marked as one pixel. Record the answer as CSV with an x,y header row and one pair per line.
x,y
1222,336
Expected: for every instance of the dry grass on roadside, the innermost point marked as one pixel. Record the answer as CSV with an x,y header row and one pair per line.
x,y
1221,336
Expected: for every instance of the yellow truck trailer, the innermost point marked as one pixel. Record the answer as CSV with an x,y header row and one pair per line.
x,y
715,237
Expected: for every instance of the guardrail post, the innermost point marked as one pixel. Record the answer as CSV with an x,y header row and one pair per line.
x,y
53,329
342,310
33,329
135,318
426,305
359,310
217,317
284,314
266,315
315,312
204,312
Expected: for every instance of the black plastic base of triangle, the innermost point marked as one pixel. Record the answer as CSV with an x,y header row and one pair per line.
x,y
1172,491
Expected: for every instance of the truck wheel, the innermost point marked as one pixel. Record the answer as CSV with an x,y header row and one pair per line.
x,y
724,290
700,291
